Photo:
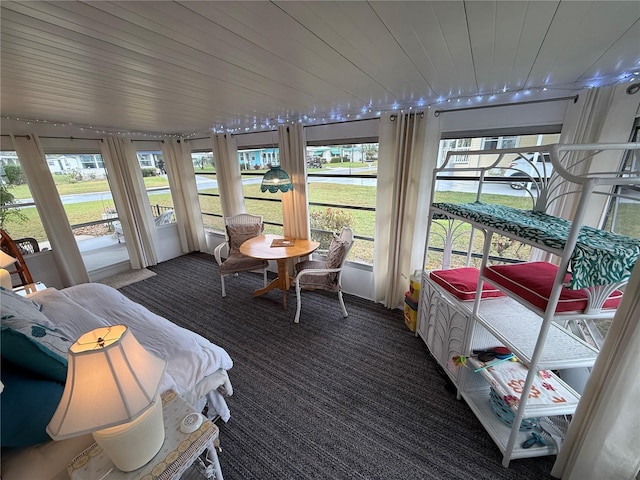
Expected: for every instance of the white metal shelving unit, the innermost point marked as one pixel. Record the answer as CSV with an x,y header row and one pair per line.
x,y
451,327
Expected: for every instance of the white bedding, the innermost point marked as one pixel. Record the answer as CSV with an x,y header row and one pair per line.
x,y
195,366
190,357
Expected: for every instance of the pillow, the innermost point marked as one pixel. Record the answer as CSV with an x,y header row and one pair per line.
x,y
533,281
463,282
336,253
35,347
335,256
28,403
66,314
238,234
12,304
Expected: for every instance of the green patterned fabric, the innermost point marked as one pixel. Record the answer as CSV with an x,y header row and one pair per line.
x,y
599,258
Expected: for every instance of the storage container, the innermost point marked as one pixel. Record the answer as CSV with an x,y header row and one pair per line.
x,y
414,285
410,311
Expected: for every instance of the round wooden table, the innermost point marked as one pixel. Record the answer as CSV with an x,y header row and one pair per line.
x,y
261,247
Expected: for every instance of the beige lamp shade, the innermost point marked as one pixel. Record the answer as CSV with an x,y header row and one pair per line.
x,y
6,260
5,276
111,380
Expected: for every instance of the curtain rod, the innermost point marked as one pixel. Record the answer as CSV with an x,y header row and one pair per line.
x,y
528,102
76,138
60,138
305,126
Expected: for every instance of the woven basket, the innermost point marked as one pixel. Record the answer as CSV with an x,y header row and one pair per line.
x,y
506,415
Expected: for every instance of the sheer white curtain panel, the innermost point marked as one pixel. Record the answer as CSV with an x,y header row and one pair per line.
x,y
49,205
602,441
601,115
295,205
225,156
131,200
184,191
602,438
404,171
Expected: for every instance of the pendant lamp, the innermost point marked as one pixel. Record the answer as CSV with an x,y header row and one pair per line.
x,y
276,179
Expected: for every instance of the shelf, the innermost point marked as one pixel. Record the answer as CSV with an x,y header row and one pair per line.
x,y
534,407
518,328
478,401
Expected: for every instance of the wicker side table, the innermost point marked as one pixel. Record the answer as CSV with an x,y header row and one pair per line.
x,y
178,452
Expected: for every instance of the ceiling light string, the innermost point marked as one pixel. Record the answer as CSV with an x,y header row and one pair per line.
x,y
374,111
368,111
98,130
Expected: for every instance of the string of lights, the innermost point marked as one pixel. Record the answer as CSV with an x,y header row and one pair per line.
x,y
366,112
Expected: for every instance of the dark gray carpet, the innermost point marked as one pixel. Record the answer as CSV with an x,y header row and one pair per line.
x,y
329,398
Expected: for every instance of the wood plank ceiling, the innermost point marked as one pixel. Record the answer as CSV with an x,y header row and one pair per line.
x,y
192,67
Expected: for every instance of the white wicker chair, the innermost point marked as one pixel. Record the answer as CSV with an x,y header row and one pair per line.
x,y
239,228
165,218
325,274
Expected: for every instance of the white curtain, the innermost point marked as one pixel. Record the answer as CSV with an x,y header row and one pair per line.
x,y
404,179
295,205
601,115
225,156
49,205
131,200
602,441
184,191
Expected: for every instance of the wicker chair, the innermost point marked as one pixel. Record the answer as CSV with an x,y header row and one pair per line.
x,y
327,274
27,245
239,228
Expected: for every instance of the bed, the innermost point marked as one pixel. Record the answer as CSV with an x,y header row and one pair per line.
x,y
196,368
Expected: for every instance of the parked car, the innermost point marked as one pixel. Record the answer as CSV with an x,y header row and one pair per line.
x,y
314,162
533,166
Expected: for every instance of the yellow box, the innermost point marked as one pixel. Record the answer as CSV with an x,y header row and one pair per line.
x,y
410,315
414,285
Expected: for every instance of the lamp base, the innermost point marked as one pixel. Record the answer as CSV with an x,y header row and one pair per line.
x,y
5,279
134,444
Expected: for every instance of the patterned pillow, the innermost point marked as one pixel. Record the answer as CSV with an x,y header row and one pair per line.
x,y
35,347
238,234
336,253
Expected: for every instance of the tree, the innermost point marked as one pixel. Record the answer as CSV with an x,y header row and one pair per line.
x,y
370,151
7,210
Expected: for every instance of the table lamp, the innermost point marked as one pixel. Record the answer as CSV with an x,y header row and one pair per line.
x,y
112,392
5,276
276,179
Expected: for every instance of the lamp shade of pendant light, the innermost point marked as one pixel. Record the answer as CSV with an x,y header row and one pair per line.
x,y
276,179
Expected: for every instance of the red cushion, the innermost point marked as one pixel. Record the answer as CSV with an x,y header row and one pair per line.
x,y
532,281
463,282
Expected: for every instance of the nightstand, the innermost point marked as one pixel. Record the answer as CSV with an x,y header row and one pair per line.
x,y
179,450
29,288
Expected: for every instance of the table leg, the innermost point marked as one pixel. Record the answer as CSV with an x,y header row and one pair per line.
x,y
212,457
283,282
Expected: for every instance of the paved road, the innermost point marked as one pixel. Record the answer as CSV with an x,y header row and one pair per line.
x,y
205,182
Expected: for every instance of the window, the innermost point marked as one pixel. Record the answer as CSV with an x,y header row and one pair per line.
x,y
494,143
458,188
208,192
267,204
454,144
623,211
18,214
342,181
81,182
156,183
